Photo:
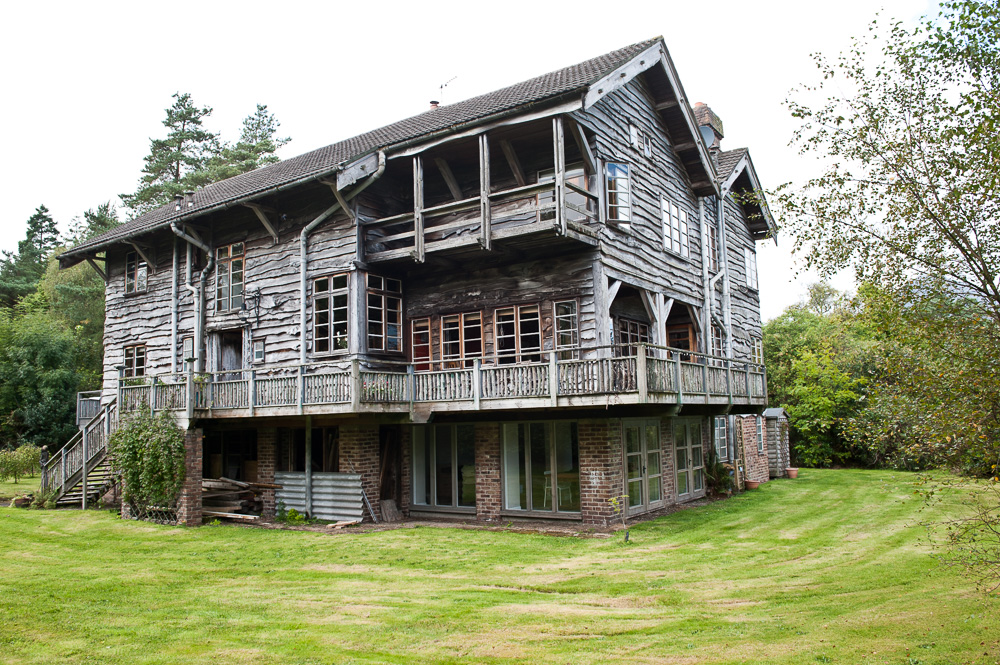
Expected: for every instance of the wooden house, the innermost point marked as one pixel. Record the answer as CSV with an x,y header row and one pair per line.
x,y
517,306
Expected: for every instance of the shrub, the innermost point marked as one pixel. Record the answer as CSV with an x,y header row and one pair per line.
x,y
148,452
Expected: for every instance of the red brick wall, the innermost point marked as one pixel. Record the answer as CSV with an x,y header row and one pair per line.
x,y
189,502
267,438
667,461
406,443
756,462
489,490
600,468
359,446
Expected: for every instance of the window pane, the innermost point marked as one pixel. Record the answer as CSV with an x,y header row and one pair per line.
x,y
514,472
443,465
567,467
421,468
466,457
540,455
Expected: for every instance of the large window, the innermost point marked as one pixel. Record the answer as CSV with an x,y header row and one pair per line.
x,y
675,228
385,314
631,333
721,439
567,329
330,296
750,259
618,190
229,277
541,467
444,466
420,344
517,334
717,350
135,273
461,339
135,360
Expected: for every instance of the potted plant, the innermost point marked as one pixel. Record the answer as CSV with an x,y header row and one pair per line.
x,y
792,472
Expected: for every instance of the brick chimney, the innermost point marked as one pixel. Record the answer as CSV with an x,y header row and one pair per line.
x,y
434,104
707,118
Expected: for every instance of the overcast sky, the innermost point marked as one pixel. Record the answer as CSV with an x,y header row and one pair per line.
x,y
86,84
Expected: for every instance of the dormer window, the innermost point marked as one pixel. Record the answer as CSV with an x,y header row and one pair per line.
x,y
619,199
229,277
135,273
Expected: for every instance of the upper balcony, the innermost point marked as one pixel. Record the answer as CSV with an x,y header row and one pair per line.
x,y
645,374
535,181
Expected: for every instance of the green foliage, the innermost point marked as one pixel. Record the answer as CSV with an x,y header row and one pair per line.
x,y
148,452
95,222
718,475
20,272
256,147
75,298
19,462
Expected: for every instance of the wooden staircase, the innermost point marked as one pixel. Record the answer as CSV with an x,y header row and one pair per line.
x,y
81,471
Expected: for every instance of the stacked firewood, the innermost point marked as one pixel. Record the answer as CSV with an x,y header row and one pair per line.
x,y
233,499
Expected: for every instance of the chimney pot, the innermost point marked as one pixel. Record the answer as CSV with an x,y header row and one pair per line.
x,y
434,104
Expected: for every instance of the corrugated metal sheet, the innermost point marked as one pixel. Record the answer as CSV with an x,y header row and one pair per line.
x,y
335,496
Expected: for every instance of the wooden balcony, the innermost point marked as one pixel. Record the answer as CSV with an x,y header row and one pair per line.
x,y
653,375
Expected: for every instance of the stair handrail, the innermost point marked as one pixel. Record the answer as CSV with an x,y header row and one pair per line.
x,y
69,460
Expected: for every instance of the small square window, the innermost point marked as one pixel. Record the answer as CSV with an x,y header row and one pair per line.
x,y
258,350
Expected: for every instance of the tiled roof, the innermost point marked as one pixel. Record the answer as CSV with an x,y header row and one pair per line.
x,y
324,161
728,161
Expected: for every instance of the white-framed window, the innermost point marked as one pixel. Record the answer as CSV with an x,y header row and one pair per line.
x,y
720,438
517,334
229,277
631,333
461,338
567,331
713,248
618,189
420,343
760,434
718,349
330,313
385,314
258,350
444,466
135,273
541,467
640,140
676,236
757,350
135,360
750,258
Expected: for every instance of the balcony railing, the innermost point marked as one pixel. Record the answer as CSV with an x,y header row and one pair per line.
x,y
648,374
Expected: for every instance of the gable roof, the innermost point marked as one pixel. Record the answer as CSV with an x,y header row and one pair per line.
x,y
738,175
582,81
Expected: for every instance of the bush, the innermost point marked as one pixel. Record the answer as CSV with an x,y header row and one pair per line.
x,y
148,452
19,462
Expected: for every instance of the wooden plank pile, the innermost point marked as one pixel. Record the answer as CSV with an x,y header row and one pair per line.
x,y
233,499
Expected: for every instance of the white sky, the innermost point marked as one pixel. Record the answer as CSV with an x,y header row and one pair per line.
x,y
86,83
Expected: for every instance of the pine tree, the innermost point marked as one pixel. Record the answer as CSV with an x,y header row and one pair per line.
x,y
177,163
20,272
95,222
256,147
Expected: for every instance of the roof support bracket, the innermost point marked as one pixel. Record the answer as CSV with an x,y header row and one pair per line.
x,y
513,162
141,251
581,142
262,216
97,268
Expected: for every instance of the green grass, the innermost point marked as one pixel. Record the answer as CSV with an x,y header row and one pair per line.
x,y
829,568
24,485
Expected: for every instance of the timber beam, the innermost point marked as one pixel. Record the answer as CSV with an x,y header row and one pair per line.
x,y
92,260
513,162
590,162
262,216
141,251
449,178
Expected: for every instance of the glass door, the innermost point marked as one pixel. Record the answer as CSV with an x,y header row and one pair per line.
x,y
643,470
689,459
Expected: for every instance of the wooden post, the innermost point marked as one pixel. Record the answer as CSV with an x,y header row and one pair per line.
x,y
83,470
62,463
729,380
553,378
680,379
189,389
309,486
559,148
121,375
641,378
152,396
477,382
411,382
252,391
746,366
355,385
704,377
301,380
485,212
418,209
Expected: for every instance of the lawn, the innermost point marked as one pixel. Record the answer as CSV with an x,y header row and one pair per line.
x,y
24,485
829,568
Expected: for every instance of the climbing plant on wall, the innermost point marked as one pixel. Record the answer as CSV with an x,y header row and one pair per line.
x,y
148,452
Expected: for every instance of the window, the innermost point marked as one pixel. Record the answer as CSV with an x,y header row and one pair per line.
x,y
721,439
631,333
187,353
444,466
135,360
330,314
258,350
541,467
640,140
567,329
713,248
420,344
135,273
229,277
517,335
385,314
718,349
675,228
757,350
461,338
760,434
750,257
619,199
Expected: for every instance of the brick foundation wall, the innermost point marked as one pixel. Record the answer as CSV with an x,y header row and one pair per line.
x,y
359,446
489,490
189,502
600,469
267,439
667,461
756,462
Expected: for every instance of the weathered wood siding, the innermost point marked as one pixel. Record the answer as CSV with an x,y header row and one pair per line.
x,y
744,301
